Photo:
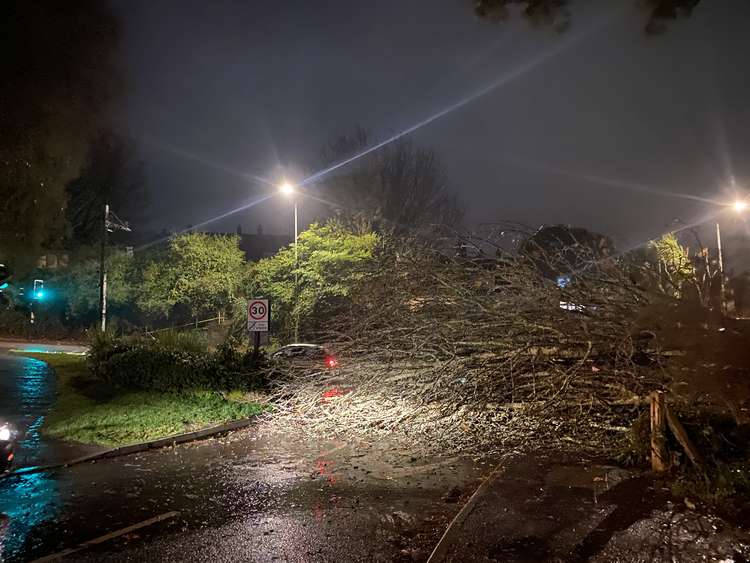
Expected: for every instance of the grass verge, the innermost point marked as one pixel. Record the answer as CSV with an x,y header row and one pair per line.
x,y
92,412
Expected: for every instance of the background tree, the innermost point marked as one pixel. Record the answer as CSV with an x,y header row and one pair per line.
x,y
78,285
332,262
111,175
198,274
561,249
555,13
395,188
57,61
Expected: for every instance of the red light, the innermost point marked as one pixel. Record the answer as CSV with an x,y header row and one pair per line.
x,y
10,456
331,362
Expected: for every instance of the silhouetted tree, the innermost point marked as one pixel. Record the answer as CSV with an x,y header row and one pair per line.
x,y
555,13
395,188
561,249
111,175
58,78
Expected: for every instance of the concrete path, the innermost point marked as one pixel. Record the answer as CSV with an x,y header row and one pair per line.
x,y
551,508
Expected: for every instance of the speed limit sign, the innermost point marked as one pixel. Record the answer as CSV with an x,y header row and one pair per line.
x,y
258,315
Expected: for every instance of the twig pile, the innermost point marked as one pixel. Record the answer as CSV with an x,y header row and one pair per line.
x,y
471,354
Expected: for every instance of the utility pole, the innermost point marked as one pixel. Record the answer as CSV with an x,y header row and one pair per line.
x,y
108,226
296,273
102,270
722,294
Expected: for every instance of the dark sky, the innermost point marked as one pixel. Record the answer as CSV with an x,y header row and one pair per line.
x,y
220,88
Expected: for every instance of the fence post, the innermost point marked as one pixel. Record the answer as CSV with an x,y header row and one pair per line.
x,y
659,456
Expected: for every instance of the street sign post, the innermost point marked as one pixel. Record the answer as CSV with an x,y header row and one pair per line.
x,y
258,320
258,315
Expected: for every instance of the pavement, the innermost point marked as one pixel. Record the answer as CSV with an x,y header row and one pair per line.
x,y
553,507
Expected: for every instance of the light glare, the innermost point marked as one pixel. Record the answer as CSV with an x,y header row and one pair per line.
x,y
739,206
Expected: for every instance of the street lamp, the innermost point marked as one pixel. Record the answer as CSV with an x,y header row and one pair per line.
x,y
739,206
288,190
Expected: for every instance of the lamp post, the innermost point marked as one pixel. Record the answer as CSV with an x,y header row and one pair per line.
x,y
288,190
739,206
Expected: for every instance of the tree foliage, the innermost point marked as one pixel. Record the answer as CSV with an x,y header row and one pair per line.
x,y
664,265
555,13
78,285
332,261
199,273
57,61
396,188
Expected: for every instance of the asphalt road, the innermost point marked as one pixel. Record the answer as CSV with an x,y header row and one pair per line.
x,y
248,497
43,347
27,391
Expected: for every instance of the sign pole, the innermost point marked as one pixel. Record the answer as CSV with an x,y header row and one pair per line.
x,y
256,346
258,320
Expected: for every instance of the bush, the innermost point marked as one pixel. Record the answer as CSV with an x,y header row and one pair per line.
x,y
176,341
172,363
13,323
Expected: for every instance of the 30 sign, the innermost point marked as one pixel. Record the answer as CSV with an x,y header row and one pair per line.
x,y
258,315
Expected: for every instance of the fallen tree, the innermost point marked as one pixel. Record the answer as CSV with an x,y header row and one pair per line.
x,y
474,353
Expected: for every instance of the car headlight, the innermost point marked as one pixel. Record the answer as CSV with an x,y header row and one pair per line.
x,y
4,434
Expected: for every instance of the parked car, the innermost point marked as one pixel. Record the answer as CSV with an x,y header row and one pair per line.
x,y
303,359
7,446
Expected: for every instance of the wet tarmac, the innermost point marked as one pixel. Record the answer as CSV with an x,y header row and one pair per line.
x,y
27,392
559,508
249,497
42,347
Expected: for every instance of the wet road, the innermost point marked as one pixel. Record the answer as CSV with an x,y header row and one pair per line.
x,y
27,391
42,347
249,497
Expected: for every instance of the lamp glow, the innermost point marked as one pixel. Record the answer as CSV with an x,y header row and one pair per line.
x,y
739,206
4,434
286,188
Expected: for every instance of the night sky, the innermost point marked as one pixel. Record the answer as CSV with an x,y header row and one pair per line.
x,y
222,88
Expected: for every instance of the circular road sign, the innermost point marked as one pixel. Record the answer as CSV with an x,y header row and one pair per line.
x,y
258,310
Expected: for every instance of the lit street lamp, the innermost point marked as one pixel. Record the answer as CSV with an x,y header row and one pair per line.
x,y
288,190
739,206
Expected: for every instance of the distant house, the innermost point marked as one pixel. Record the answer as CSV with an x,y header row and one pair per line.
x,y
260,245
53,261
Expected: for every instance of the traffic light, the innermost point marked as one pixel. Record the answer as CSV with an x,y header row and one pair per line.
x,y
38,293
